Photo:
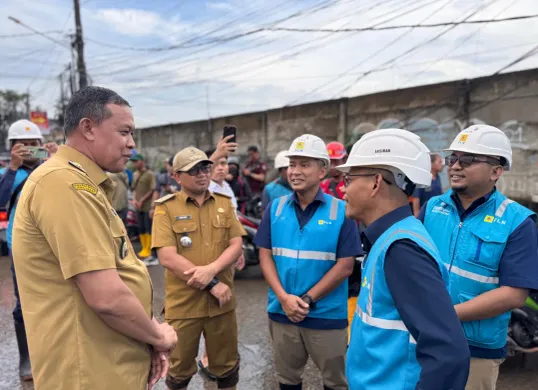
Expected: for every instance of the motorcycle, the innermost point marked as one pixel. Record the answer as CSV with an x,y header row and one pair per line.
x,y
523,328
253,207
250,250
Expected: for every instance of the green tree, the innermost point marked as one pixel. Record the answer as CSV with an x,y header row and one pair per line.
x,y
12,108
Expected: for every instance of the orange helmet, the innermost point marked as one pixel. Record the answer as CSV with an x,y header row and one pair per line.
x,y
336,150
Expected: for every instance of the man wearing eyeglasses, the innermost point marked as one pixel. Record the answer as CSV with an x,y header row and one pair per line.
x,y
405,334
307,251
488,243
198,239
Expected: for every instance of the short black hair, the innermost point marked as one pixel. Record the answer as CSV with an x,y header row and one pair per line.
x,y
171,161
252,148
90,102
209,152
434,157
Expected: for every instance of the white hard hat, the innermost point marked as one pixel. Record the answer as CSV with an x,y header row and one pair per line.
x,y
24,129
308,145
399,151
281,161
483,140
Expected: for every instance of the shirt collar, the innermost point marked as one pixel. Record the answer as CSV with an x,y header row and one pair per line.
x,y
320,197
477,203
182,195
380,225
93,170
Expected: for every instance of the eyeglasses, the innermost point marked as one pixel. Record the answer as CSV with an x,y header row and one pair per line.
x,y
195,171
467,160
347,181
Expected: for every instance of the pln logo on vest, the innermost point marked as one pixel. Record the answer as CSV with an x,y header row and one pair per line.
x,y
491,219
322,222
440,210
365,283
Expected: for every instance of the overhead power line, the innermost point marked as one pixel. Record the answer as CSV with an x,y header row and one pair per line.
x,y
232,37
458,44
44,35
360,63
191,42
6,36
345,30
414,48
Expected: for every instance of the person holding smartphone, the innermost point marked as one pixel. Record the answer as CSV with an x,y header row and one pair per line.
x,y
22,135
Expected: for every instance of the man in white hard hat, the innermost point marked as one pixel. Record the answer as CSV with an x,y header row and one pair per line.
x,y
307,251
21,135
280,186
488,243
405,334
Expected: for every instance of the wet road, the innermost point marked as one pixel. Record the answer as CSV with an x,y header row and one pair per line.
x,y
256,363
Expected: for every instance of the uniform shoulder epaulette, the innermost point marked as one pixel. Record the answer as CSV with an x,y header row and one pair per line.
x,y
164,199
221,194
77,165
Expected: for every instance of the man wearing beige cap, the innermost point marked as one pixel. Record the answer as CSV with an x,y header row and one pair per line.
x,y
198,239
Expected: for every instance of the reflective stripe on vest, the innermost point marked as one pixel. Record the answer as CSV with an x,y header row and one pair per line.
x,y
304,255
399,231
333,215
472,275
384,324
502,208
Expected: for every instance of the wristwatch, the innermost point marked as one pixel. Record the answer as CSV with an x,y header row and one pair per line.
x,y
212,284
308,299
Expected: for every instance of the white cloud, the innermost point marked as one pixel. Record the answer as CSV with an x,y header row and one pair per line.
x,y
265,70
131,21
220,6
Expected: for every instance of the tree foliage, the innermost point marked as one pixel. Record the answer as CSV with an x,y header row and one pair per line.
x,y
12,108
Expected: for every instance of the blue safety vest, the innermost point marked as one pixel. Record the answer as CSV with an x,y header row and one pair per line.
x,y
20,176
276,190
472,250
304,256
382,352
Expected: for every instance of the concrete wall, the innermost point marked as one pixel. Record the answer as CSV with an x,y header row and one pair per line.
x,y
435,112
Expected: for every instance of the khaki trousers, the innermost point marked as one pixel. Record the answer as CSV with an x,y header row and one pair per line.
x,y
483,374
292,345
220,333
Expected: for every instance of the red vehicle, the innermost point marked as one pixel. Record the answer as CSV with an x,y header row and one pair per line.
x,y
3,230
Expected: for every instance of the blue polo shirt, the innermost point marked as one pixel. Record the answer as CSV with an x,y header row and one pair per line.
x,y
349,245
423,302
518,266
425,194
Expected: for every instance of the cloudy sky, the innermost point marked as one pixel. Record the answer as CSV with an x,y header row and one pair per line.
x,y
182,60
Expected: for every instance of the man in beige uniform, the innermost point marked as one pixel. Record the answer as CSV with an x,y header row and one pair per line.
x,y
199,239
86,298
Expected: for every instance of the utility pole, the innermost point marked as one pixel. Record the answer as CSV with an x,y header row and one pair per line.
x,y
79,44
28,103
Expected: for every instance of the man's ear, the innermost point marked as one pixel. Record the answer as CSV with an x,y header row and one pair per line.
x,y
496,172
86,127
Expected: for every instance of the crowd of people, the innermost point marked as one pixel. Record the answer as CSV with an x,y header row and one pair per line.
x,y
426,307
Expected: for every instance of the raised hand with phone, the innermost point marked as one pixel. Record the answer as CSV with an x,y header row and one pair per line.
x,y
227,144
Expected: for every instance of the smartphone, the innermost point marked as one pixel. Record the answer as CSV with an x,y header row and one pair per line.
x,y
230,130
37,152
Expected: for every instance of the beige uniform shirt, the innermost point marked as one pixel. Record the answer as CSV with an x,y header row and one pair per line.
x,y
64,226
210,227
